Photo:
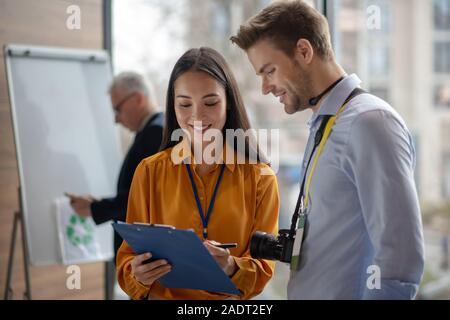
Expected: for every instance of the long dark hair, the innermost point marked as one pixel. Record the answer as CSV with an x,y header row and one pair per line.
x,y
212,62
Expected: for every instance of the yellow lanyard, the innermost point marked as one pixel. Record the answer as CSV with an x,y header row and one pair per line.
x,y
326,134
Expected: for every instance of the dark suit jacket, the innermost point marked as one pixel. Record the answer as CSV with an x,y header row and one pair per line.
x,y
146,143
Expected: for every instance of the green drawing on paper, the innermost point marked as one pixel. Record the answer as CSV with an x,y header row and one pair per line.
x,y
79,231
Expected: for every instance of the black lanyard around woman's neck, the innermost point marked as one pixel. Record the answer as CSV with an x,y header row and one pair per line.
x,y
204,218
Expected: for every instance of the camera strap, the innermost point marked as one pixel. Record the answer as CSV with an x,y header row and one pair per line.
x,y
300,213
205,218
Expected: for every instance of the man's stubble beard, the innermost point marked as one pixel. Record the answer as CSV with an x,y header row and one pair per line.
x,y
300,90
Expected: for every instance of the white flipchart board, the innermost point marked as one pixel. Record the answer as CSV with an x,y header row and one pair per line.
x,y
66,139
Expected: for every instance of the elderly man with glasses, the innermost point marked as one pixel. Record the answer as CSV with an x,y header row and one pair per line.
x,y
135,109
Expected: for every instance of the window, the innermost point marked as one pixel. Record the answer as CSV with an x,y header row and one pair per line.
x,y
442,57
441,9
361,34
379,61
222,21
441,54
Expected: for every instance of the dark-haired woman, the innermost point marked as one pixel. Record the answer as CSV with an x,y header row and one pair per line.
x,y
177,186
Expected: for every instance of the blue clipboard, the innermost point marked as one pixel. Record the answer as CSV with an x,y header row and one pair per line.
x,y
193,267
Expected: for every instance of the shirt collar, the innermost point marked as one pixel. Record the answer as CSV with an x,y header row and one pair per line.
x,y
145,120
183,152
336,98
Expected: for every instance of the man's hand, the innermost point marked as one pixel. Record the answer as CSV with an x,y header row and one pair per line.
x,y
222,256
81,204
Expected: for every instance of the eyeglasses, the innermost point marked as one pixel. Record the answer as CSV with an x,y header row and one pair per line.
x,y
118,106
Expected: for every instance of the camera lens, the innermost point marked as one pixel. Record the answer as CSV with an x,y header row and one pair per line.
x,y
265,246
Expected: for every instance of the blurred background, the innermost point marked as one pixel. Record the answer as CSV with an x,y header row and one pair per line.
x,y
399,48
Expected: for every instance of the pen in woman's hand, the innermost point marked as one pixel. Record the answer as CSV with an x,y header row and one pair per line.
x,y
226,245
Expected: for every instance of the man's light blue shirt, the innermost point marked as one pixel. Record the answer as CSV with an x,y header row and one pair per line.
x,y
364,214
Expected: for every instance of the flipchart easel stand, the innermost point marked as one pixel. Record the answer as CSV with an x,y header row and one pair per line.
x,y
18,219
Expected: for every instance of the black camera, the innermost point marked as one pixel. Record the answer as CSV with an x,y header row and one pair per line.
x,y
267,246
